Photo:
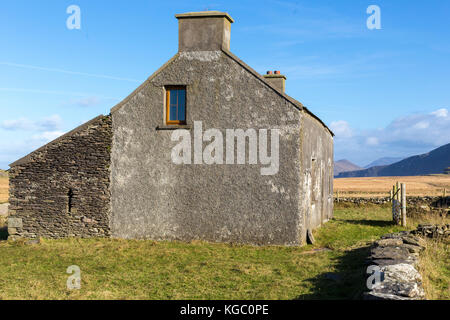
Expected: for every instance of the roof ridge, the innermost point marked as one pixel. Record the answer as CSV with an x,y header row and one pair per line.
x,y
296,103
131,95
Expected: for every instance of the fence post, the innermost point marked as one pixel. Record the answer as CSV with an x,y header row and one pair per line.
x,y
393,202
403,205
397,188
445,192
338,196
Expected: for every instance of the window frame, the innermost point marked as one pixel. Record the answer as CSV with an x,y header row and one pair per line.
x,y
168,89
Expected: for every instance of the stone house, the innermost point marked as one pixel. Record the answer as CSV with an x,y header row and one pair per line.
x,y
115,176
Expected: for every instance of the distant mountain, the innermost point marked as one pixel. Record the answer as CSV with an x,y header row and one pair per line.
x,y
433,162
344,166
383,162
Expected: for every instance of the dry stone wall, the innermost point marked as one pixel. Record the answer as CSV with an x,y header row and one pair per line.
x,y
438,202
397,257
62,189
416,206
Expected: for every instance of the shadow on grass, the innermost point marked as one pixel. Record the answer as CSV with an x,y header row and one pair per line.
x,y
348,282
372,223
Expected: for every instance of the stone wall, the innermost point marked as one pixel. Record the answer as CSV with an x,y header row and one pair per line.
x,y
62,189
396,256
436,202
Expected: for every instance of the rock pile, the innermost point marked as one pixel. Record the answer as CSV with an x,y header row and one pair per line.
x,y
397,255
433,231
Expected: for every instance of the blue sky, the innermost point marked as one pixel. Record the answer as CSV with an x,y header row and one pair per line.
x,y
384,92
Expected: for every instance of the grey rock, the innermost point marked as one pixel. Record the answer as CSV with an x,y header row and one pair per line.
x,y
388,242
400,280
4,209
391,253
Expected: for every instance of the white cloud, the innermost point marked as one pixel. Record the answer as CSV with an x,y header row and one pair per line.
x,y
422,125
428,129
372,141
441,113
51,123
47,136
85,102
405,136
18,124
9,152
341,129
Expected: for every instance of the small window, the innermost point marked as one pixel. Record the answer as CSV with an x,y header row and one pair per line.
x,y
176,105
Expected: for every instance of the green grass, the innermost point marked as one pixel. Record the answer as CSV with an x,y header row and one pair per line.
x,y
126,269
435,269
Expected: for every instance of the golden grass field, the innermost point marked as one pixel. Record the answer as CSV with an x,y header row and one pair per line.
x,y
4,186
432,185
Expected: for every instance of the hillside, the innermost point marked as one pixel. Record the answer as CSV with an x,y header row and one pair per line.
x,y
344,166
433,162
383,162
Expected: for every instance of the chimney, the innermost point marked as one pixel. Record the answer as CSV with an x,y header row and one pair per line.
x,y
276,79
204,31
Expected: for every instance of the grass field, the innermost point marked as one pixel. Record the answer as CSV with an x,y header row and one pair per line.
x,y
432,185
126,269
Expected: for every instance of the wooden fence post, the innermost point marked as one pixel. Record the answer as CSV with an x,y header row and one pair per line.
x,y
445,192
393,203
397,188
403,205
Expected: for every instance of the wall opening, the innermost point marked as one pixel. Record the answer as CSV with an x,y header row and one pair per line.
x,y
70,200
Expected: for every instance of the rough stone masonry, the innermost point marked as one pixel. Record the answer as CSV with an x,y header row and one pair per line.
x,y
397,255
62,189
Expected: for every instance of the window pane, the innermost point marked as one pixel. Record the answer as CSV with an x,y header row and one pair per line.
x,y
177,105
173,112
182,105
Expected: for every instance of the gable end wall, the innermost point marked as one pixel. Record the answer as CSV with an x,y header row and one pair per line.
x,y
152,198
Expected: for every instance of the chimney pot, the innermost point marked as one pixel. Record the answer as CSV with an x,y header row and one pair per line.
x,y
276,79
